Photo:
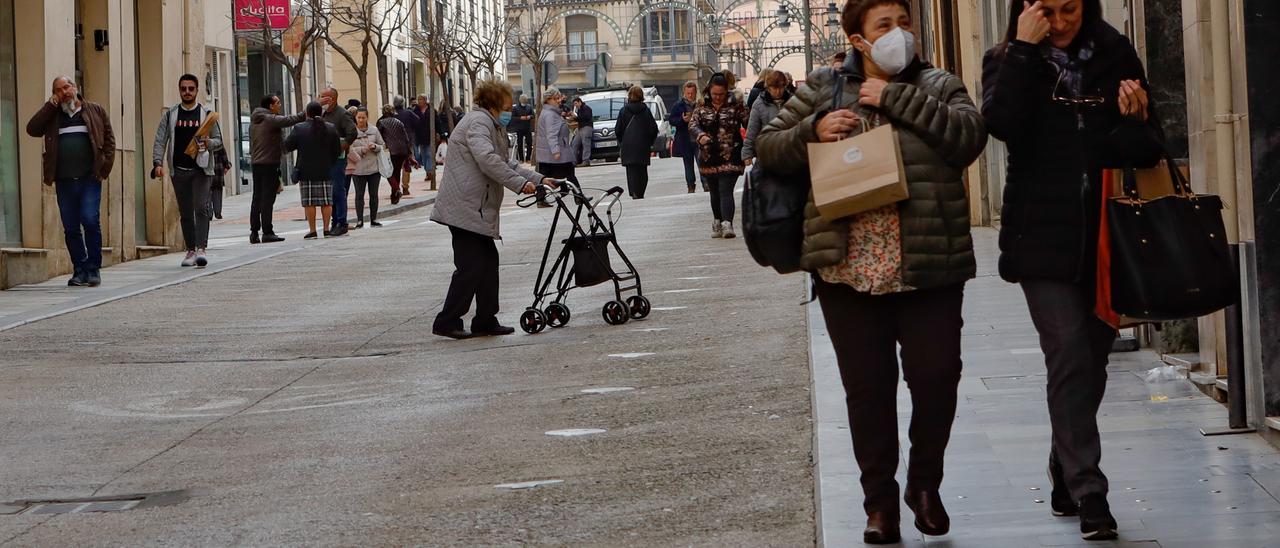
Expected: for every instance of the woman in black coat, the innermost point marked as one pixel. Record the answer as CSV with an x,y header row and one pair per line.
x,y
636,130
1068,95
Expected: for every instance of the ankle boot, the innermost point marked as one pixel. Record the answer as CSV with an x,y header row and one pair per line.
x,y
931,516
882,528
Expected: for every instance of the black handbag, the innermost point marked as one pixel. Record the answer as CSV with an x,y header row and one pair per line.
x,y
1169,256
773,218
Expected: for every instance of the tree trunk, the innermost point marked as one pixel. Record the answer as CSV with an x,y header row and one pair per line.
x,y
383,76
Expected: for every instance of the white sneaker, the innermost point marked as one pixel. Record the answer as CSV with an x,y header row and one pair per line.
x,y
190,259
717,229
727,231
201,261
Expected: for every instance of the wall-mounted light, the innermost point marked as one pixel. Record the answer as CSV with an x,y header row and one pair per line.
x,y
100,39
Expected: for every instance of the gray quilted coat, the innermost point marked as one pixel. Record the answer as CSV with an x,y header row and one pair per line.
x,y
940,133
476,170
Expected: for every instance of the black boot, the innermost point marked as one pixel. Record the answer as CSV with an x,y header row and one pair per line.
x,y
1096,521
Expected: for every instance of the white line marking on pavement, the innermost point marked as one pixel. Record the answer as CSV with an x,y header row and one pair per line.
x,y
693,278
571,432
1026,351
652,329
706,266
669,308
607,390
630,355
517,212
528,484
683,290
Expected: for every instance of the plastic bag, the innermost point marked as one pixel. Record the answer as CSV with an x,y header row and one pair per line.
x,y
1162,382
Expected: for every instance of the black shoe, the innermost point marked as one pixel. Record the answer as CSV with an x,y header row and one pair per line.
x,y
79,279
94,277
493,331
341,230
931,516
1060,501
312,235
882,528
270,238
359,225
375,224
1096,521
457,334
253,238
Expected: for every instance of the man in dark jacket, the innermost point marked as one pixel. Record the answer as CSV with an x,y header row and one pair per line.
x,y
79,151
266,142
409,119
682,146
346,127
582,138
422,139
522,125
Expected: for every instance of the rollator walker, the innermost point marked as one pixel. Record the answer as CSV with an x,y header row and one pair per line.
x,y
583,260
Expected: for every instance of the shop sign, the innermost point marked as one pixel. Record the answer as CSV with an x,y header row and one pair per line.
x,y
249,14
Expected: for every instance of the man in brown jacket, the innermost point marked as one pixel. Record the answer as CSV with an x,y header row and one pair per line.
x,y
79,150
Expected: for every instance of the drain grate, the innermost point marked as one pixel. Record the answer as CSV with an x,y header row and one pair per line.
x,y
118,503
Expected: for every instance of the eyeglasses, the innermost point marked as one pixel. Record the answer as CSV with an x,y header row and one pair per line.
x,y
186,88
1078,100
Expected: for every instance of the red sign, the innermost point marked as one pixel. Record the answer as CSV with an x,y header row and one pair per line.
x,y
249,14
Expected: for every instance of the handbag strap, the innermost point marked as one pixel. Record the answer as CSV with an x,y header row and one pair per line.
x,y
1181,187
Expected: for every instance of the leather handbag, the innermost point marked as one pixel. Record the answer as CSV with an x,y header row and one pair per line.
x,y
773,218
1169,255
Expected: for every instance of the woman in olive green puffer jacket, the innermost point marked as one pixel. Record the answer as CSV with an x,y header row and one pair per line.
x,y
896,274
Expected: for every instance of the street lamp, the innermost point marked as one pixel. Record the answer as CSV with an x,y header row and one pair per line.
x,y
784,18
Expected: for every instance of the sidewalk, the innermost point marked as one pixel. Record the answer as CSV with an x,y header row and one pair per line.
x,y
1170,486
228,248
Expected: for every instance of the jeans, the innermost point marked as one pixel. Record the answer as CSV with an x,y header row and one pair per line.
x,y
637,180
866,331
722,185
524,145
266,179
79,201
1076,346
475,276
369,182
582,144
422,153
195,209
689,169
341,182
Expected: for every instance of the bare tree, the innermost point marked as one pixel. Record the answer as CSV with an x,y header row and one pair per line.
x,y
536,39
374,24
439,46
490,49
307,27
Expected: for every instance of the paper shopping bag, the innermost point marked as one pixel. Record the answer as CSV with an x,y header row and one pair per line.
x,y
857,174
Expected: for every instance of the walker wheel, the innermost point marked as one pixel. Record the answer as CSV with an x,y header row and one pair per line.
x,y
533,321
557,315
616,313
639,306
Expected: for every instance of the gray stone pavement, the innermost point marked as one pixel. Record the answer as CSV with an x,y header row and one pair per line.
x,y
301,400
1170,486
228,248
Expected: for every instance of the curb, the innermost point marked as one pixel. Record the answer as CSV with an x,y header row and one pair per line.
x,y
837,494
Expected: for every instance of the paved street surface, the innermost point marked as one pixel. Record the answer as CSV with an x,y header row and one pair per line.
x,y
295,396
302,400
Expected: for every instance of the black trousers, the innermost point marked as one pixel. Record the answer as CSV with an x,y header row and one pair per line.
x,y
558,171
266,179
195,210
370,183
475,276
1076,347
865,331
524,145
637,180
722,186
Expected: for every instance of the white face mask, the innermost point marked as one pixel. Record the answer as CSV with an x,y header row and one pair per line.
x,y
894,51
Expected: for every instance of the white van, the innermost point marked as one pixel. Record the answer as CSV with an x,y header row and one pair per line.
x,y
605,106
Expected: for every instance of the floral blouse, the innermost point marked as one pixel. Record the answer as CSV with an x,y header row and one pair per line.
x,y
874,263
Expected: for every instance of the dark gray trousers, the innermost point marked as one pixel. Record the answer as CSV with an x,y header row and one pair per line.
x,y
191,190
1076,346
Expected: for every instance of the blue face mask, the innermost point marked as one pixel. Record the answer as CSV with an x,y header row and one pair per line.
x,y
504,118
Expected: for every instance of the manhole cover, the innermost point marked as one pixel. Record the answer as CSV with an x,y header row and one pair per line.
x,y
117,503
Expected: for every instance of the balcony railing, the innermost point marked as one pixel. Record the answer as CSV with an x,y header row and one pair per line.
x,y
669,52
580,55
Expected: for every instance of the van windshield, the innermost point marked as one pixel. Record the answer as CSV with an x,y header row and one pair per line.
x,y
606,108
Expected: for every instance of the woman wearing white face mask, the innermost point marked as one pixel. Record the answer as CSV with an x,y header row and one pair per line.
x,y
893,275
